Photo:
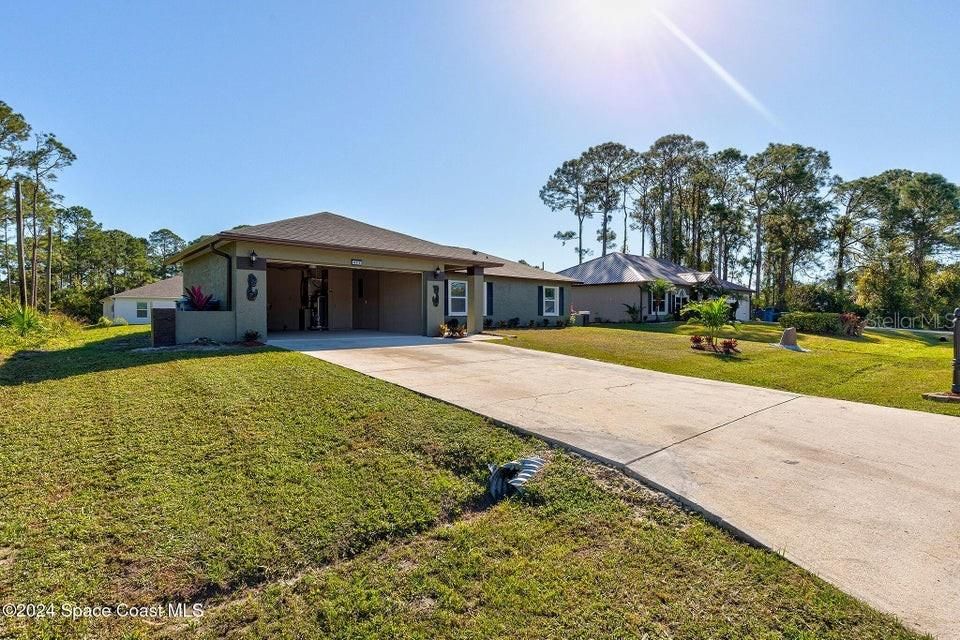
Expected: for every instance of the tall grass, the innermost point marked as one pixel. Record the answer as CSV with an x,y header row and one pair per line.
x,y
26,327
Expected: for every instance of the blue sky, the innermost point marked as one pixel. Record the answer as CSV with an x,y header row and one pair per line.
x,y
443,119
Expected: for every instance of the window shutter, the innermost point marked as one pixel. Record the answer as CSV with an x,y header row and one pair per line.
x,y
649,302
562,311
446,297
489,298
540,300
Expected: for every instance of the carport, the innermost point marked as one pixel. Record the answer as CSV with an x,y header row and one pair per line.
x,y
304,297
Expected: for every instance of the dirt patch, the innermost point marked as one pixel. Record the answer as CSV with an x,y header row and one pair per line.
x,y
7,557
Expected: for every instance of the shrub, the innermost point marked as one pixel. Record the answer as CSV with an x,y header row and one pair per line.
x,y
251,336
196,299
852,324
23,320
813,322
531,324
696,342
729,346
817,297
487,323
634,311
443,329
120,322
104,321
561,322
513,323
545,322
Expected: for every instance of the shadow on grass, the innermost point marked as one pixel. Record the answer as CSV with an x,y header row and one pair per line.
x,y
109,354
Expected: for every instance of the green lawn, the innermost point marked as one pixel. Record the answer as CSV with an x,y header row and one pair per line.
x,y
295,498
882,367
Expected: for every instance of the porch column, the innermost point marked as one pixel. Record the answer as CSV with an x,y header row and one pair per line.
x,y
433,301
250,296
475,301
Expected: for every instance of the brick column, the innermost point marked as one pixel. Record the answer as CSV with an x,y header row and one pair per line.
x,y
163,327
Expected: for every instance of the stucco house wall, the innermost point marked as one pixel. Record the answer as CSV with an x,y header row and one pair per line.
x,y
605,301
401,307
519,298
209,272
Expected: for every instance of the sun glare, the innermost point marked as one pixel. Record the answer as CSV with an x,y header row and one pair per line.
x,y
609,46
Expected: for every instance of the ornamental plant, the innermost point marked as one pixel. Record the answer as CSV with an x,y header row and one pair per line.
x,y
696,342
729,346
714,315
196,298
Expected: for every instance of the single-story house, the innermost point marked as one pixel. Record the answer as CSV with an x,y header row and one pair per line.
x,y
608,283
328,272
136,305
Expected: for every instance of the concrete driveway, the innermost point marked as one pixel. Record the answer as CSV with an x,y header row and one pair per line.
x,y
866,497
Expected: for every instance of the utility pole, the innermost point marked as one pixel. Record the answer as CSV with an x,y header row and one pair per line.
x,y
50,268
21,259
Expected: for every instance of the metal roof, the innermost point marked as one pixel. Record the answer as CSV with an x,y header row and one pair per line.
x,y
619,268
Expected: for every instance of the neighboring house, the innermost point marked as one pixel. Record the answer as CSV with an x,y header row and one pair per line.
x,y
331,272
135,305
609,283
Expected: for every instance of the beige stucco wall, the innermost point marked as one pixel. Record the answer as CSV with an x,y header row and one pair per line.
x,y
401,307
283,299
432,289
251,314
209,271
340,292
606,301
216,325
517,298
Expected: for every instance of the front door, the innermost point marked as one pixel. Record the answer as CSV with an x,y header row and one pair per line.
x,y
366,300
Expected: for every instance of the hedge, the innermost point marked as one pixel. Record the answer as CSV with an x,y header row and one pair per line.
x,y
812,322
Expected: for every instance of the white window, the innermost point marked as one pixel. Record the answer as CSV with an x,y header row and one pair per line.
x,y
457,297
658,304
141,309
551,301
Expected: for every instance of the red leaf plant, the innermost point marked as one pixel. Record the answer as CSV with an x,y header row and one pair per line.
x,y
196,298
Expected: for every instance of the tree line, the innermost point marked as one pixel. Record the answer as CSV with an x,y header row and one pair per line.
x,y
780,221
55,256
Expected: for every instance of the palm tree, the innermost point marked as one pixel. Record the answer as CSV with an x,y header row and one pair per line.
x,y
714,315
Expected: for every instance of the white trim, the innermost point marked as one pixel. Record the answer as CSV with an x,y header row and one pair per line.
x,y
146,308
451,298
555,301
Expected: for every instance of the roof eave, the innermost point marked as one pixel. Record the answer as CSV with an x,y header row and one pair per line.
x,y
338,247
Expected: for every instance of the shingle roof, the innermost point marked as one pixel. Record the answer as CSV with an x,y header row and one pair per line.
x,y
511,269
169,288
617,268
332,231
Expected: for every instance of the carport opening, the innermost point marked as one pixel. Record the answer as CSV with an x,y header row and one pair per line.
x,y
317,298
